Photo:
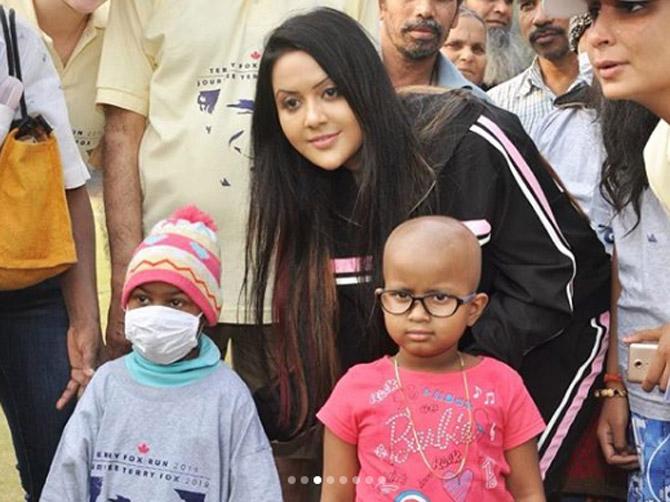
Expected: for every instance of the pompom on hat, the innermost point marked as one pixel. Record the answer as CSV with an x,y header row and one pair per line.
x,y
180,250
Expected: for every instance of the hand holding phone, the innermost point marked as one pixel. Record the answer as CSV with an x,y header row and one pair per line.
x,y
640,356
657,372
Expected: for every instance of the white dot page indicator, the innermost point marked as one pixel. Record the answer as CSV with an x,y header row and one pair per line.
x,y
331,480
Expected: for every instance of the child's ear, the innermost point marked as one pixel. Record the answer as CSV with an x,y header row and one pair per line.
x,y
476,307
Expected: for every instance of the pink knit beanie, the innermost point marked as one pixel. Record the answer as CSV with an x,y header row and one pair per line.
x,y
182,251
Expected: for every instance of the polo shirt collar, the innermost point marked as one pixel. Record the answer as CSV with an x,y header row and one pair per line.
x,y
531,79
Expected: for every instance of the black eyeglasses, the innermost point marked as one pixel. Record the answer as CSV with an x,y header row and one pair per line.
x,y
437,304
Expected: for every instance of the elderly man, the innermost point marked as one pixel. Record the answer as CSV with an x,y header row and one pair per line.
x,y
412,34
507,56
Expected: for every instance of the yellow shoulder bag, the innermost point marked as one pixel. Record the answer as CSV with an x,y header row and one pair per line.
x,y
36,239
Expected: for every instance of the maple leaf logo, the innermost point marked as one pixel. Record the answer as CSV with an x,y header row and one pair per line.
x,y
255,55
143,448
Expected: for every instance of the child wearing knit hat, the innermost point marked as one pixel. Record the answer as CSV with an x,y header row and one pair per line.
x,y
169,421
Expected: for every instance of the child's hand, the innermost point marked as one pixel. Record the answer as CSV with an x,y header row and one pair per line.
x,y
612,426
659,370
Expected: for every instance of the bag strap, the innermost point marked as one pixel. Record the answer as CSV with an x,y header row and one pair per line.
x,y
8,42
17,60
12,47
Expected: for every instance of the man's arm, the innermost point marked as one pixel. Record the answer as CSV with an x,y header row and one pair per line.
x,y
81,298
123,209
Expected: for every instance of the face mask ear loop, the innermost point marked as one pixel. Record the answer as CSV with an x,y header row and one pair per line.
x,y
201,328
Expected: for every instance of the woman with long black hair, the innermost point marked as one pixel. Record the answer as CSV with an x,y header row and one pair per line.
x,y
337,165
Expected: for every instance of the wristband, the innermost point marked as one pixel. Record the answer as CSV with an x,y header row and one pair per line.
x,y
602,393
612,378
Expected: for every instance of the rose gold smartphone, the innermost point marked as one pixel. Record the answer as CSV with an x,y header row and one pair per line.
x,y
640,356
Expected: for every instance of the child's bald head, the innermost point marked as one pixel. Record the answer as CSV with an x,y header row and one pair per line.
x,y
439,243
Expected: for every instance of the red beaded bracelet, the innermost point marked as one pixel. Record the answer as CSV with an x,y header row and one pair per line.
x,y
612,378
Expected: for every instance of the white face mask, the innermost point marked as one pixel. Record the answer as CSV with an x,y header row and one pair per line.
x,y
160,334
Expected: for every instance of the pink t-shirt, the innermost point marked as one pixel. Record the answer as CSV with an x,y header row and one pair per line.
x,y
367,409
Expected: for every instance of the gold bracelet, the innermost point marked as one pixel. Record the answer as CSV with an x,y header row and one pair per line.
x,y
608,392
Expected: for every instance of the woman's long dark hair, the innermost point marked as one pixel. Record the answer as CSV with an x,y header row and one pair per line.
x,y
291,221
432,109
626,127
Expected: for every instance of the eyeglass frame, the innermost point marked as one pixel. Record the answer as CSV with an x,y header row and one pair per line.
x,y
460,300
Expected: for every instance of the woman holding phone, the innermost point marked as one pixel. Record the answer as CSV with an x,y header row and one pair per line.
x,y
627,45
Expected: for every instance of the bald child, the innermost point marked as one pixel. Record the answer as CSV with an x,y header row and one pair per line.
x,y
432,266
431,420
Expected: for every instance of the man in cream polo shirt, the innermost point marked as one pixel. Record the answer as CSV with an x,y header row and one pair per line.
x,y
177,81
74,41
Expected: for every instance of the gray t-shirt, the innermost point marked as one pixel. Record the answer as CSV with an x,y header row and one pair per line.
x,y
201,442
644,265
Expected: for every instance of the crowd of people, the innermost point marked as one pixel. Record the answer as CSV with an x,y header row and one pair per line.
x,y
432,233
